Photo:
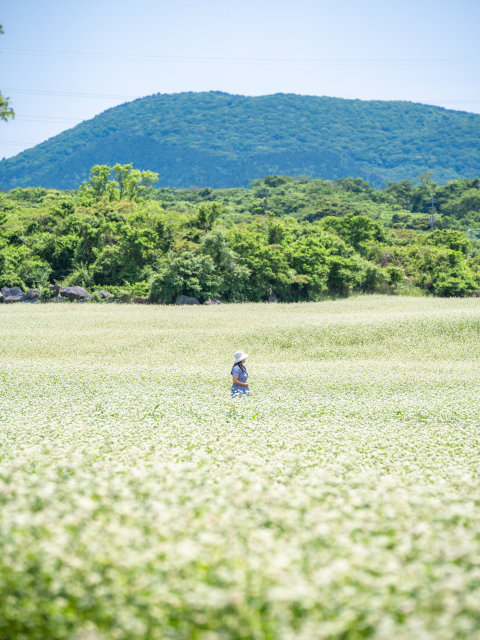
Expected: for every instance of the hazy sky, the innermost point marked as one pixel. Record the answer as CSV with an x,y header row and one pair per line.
x,y
62,62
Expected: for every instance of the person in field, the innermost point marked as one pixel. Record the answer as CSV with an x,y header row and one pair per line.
x,y
240,375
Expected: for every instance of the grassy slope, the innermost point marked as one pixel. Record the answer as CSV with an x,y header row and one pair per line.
x,y
221,140
338,502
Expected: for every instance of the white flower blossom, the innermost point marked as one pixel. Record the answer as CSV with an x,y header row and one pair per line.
x,y
139,501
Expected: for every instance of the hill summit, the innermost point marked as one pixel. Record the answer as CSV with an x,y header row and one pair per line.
x,y
220,140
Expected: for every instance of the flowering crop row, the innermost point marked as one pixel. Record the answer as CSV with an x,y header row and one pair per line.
x,y
340,501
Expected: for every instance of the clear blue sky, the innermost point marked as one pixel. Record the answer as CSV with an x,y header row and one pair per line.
x,y
419,50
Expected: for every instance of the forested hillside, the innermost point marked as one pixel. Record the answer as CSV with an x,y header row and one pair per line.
x,y
319,238
219,140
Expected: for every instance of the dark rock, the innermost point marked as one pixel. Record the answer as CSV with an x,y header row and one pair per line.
x,y
1,297
273,298
55,289
11,299
83,300
32,294
213,301
58,299
186,300
103,294
139,300
74,293
15,294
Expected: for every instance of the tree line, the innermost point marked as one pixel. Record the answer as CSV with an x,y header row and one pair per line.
x,y
320,238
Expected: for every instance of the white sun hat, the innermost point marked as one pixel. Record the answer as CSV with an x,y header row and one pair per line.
x,y
239,356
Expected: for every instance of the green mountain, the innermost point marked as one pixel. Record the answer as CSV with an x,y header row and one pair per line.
x,y
219,140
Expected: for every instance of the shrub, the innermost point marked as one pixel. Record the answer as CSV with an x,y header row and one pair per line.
x,y
188,274
395,276
45,294
373,279
458,283
140,289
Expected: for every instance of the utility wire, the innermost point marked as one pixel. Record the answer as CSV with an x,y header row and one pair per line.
x,y
114,97
47,119
96,55
22,143
27,115
68,93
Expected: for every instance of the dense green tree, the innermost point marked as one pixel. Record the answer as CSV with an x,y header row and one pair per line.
x,y
309,257
189,274
454,240
233,275
99,183
355,230
129,183
133,184
357,185
425,179
207,243
268,268
466,207
207,215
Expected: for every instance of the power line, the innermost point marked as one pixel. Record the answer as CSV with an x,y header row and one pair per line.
x,y
26,115
452,101
46,119
146,57
69,93
20,143
114,96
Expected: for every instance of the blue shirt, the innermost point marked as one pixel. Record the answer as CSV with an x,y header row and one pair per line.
x,y
242,377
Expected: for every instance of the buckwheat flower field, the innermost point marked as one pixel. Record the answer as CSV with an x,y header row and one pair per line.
x,y
340,501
